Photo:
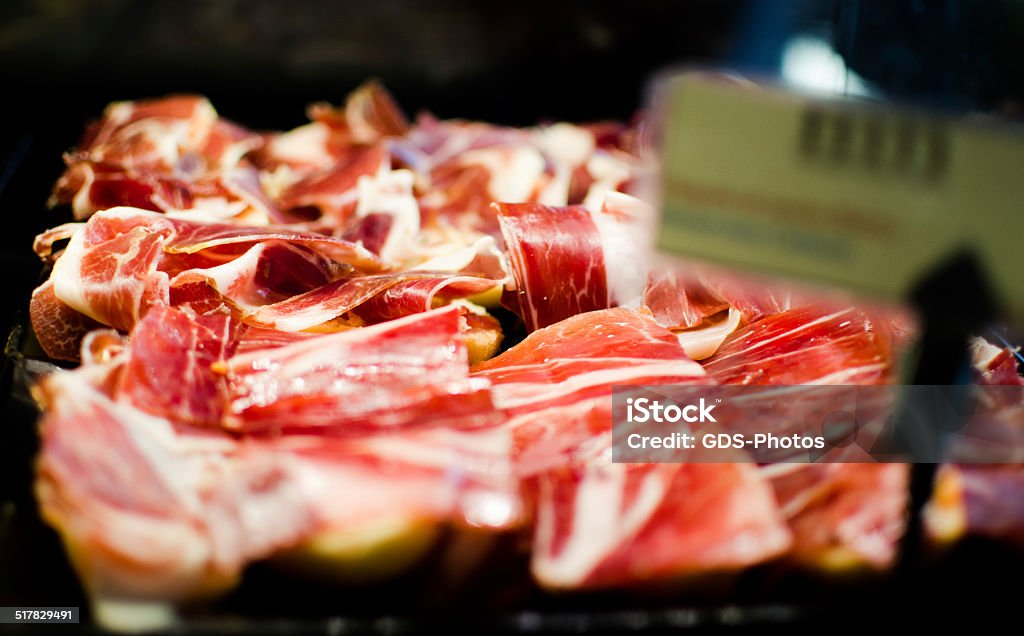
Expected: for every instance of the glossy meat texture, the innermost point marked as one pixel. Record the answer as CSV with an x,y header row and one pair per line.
x,y
124,261
169,370
408,372
148,510
117,266
275,333
155,509
599,524
557,260
613,525
166,154
807,345
584,356
843,516
678,301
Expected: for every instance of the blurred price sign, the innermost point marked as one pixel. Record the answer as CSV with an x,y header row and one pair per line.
x,y
850,192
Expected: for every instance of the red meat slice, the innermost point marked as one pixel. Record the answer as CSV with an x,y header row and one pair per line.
x,y
115,267
612,525
150,511
841,515
600,524
170,365
807,345
404,373
557,261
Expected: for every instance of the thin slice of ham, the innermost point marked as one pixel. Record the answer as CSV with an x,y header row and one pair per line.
x,y
558,382
584,356
613,525
332,191
152,510
112,268
808,345
404,373
109,270
557,262
268,272
679,301
843,516
600,524
373,299
169,370
148,511
162,154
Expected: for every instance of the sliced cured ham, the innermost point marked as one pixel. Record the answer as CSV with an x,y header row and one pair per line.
x,y
166,154
600,524
275,342
584,356
679,301
613,525
58,328
109,270
189,237
421,291
334,137
557,261
267,272
404,373
808,345
843,516
174,348
558,381
370,299
369,114
161,511
150,512
569,260
332,191
113,269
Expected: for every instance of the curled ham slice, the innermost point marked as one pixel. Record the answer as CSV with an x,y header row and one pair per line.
x,y
372,298
570,260
167,154
112,270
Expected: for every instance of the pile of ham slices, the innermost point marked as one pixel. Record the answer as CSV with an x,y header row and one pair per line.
x,y
288,346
